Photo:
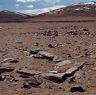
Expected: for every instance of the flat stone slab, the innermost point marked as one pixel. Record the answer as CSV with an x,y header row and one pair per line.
x,y
46,54
60,77
28,72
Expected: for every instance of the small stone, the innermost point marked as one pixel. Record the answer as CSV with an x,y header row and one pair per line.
x,y
51,46
26,85
35,50
46,54
76,89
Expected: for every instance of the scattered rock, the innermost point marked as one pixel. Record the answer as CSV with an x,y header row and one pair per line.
x,y
33,82
35,50
76,89
28,72
46,55
50,33
6,69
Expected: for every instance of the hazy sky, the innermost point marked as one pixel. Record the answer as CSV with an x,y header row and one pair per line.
x,y
35,4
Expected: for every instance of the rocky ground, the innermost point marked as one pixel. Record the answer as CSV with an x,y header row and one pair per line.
x,y
44,58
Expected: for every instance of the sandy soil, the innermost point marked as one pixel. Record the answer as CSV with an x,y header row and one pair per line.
x,y
17,39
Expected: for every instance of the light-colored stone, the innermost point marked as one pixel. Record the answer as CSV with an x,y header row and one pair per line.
x,y
63,63
46,54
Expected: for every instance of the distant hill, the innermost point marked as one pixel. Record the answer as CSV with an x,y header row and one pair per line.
x,y
12,16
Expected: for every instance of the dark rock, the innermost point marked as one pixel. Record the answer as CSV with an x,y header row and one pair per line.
x,y
51,46
35,50
6,69
76,89
24,76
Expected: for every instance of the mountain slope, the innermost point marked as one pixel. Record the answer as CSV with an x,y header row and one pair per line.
x,y
81,9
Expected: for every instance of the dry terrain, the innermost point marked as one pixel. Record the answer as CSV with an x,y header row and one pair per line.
x,y
73,41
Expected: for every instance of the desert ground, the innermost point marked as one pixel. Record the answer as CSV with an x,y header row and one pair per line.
x,y
73,41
